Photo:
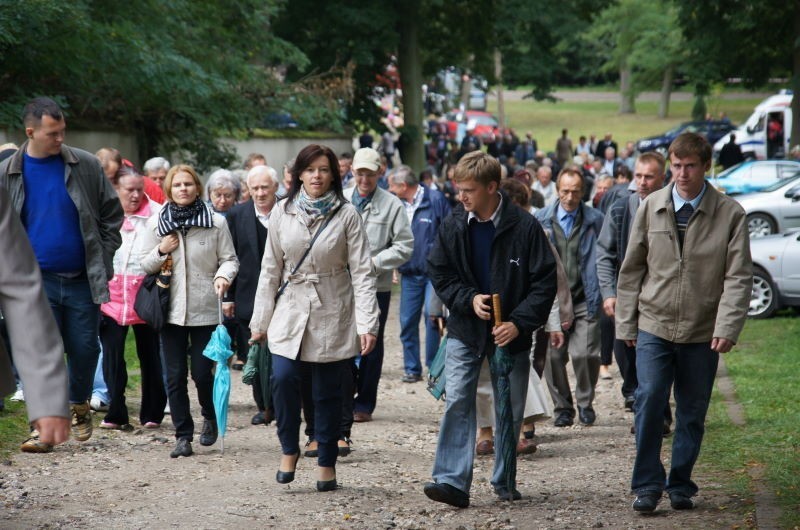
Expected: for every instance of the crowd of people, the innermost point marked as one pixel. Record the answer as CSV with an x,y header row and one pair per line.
x,y
581,245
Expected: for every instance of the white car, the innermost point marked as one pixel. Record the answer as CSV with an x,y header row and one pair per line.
x,y
774,209
776,273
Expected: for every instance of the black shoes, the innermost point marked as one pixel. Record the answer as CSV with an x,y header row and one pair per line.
x,y
258,419
447,494
504,495
344,446
182,448
285,477
587,415
564,419
629,401
209,434
327,485
411,378
680,501
647,502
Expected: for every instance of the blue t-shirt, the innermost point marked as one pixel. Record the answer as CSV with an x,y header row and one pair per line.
x,y
50,216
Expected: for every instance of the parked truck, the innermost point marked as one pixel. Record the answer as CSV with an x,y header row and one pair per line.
x,y
766,132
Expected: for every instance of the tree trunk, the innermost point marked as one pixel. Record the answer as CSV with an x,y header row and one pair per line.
x,y
501,105
626,96
666,91
795,137
466,87
410,67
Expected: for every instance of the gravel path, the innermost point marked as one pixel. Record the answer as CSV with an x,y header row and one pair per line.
x,y
579,478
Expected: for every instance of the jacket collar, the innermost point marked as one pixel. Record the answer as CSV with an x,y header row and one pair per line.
x,y
509,215
374,204
15,165
662,199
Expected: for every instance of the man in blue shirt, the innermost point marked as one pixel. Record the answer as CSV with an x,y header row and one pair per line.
x,y
72,216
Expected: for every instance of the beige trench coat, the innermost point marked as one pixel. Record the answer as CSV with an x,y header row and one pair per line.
x,y
324,307
202,256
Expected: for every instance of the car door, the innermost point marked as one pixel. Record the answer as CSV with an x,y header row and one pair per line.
x,y
790,267
789,209
762,175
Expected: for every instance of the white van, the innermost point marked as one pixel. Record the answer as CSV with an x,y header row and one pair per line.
x,y
773,115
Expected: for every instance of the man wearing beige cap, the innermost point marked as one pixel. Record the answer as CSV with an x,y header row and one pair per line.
x,y
391,244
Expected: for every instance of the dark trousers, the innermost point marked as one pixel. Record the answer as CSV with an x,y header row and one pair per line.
x,y
115,371
370,366
626,360
607,334
242,350
348,375
287,375
180,342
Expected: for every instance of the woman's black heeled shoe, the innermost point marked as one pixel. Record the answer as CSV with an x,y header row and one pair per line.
x,y
327,485
285,477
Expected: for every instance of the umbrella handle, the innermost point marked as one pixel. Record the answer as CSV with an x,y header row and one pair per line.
x,y
219,308
498,315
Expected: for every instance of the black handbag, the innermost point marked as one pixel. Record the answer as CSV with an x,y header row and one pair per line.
x,y
152,300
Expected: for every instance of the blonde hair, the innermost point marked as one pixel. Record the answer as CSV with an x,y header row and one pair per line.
x,y
478,166
185,168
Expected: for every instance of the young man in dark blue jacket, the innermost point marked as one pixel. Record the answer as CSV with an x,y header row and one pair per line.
x,y
486,245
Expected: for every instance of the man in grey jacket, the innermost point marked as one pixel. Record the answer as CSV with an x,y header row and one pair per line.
x,y
391,244
34,339
72,216
611,246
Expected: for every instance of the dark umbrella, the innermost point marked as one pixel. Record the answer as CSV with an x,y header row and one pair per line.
x,y
259,364
500,365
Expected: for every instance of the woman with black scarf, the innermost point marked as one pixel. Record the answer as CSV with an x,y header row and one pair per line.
x,y
204,265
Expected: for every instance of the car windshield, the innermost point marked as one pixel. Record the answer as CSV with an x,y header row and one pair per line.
x,y
483,120
675,131
783,182
730,170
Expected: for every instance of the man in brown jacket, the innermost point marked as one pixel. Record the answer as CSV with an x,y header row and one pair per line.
x,y
682,299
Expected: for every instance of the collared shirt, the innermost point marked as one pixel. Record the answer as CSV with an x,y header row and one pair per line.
x,y
411,207
262,218
495,218
566,219
679,201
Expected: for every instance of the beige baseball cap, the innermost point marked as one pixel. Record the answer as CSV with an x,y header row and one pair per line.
x,y
366,158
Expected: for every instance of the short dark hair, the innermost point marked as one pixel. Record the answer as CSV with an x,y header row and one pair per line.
x,y
691,144
305,158
38,107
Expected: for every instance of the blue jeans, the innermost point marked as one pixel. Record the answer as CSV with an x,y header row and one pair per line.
x,y
415,293
691,368
78,319
455,451
99,386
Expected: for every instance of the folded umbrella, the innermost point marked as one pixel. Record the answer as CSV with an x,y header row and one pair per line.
x,y
501,364
219,349
259,365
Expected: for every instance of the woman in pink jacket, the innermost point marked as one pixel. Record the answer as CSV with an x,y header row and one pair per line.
x,y
118,314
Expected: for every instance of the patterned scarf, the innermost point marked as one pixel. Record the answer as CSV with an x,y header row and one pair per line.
x,y
175,217
311,208
361,202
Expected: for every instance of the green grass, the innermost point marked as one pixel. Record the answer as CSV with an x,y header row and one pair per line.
x,y
764,367
546,119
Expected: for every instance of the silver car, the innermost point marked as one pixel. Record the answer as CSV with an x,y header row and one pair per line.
x,y
776,273
774,209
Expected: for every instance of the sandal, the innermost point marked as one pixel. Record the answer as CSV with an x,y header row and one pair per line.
x,y
312,450
344,446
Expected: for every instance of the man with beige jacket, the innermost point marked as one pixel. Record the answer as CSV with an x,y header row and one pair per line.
x,y
682,299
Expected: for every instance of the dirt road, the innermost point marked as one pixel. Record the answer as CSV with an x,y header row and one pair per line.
x,y
579,478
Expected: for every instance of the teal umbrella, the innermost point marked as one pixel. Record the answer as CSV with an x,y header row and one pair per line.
x,y
219,349
501,364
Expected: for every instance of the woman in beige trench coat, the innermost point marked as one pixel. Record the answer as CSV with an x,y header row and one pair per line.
x,y
328,312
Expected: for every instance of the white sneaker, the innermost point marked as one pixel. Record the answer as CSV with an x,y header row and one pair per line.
x,y
98,405
18,396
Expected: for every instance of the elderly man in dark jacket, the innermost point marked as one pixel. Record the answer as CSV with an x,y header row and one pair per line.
x,y
487,245
72,216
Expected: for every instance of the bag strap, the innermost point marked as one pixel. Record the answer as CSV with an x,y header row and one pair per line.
x,y
308,249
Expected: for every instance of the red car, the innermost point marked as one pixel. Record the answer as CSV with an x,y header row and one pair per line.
x,y
484,124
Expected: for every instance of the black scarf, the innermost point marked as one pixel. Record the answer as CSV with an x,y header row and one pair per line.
x,y
175,217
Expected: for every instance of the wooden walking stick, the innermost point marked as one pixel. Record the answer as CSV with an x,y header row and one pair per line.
x,y
498,316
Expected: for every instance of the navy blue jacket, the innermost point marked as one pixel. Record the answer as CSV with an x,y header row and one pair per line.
x,y
425,225
523,273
